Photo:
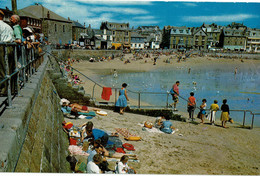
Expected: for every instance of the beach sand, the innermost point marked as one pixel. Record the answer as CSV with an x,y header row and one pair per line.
x,y
194,148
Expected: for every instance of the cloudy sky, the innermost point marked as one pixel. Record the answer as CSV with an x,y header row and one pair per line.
x,y
162,13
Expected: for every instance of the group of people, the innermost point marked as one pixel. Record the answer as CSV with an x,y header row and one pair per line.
x,y
15,33
191,106
94,142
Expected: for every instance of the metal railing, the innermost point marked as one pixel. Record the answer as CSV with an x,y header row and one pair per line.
x,y
17,64
139,93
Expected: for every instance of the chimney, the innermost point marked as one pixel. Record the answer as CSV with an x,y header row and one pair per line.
x,y
14,7
68,18
48,14
84,24
89,26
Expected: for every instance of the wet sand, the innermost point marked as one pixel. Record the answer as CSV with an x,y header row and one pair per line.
x,y
195,148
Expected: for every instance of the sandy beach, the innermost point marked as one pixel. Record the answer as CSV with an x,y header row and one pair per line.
x,y
194,148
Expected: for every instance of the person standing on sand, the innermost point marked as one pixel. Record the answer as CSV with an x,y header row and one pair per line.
x,y
203,110
175,95
213,108
225,113
122,99
191,105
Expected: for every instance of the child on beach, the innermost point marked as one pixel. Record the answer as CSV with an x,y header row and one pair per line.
x,y
167,126
191,105
123,168
213,109
225,113
158,122
203,110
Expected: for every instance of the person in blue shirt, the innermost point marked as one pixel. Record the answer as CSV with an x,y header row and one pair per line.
x,y
167,126
90,134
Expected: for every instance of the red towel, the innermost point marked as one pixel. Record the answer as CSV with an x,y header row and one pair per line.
x,y
106,93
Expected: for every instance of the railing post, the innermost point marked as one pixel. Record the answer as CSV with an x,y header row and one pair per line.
x,y
9,96
244,119
93,91
252,121
139,99
16,69
115,95
23,63
167,101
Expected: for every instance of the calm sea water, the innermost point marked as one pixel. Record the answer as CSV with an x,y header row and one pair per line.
x,y
241,90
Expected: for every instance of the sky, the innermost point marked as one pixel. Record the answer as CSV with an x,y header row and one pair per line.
x,y
151,13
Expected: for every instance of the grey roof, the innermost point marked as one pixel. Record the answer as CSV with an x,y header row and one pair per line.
x,y
23,13
98,31
77,24
40,11
135,34
116,26
177,30
233,32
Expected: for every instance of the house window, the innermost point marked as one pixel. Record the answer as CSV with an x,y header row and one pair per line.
x,y
126,33
113,32
135,45
63,28
55,27
181,31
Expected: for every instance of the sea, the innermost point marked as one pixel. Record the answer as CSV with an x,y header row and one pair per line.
x,y
242,90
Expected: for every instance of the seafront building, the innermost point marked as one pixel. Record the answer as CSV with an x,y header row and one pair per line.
x,y
181,38
120,32
59,30
253,40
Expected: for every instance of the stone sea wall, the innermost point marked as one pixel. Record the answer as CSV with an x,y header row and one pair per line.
x,y
31,135
84,54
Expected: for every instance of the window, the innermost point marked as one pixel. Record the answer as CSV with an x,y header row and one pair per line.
x,y
63,28
113,32
55,27
139,45
126,33
181,31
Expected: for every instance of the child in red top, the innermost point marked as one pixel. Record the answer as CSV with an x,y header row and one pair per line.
x,y
191,105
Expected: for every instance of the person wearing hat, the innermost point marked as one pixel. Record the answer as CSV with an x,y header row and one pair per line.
x,y
15,20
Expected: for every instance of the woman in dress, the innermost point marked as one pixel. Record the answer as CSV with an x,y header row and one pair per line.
x,y
122,99
225,113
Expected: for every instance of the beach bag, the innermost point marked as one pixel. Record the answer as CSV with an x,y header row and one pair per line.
x,y
231,120
172,91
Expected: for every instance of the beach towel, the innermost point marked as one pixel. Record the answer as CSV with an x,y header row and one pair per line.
x,y
106,93
77,150
91,113
124,132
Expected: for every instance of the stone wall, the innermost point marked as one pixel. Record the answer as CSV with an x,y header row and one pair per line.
x,y
84,54
31,135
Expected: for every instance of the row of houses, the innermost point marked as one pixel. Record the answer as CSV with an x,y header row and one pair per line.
x,y
60,30
235,36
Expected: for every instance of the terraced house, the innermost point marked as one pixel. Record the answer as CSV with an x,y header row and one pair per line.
x,y
152,34
234,36
200,39
78,30
181,37
120,32
213,34
253,40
